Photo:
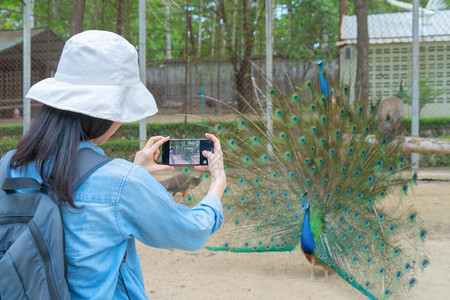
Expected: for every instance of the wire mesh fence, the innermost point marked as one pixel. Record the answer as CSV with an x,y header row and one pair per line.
x,y
200,50
390,58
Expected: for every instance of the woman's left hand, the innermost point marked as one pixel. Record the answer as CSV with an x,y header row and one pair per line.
x,y
147,156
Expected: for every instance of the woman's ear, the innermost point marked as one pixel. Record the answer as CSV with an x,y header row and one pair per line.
x,y
104,137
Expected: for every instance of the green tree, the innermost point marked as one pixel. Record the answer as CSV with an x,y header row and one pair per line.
x,y
427,92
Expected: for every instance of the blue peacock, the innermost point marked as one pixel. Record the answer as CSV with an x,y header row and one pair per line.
x,y
328,183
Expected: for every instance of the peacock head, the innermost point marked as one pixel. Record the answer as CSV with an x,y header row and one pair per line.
x,y
305,206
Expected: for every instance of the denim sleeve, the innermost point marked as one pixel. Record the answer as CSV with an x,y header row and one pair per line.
x,y
148,212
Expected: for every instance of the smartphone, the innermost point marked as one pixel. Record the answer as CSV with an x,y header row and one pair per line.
x,y
186,152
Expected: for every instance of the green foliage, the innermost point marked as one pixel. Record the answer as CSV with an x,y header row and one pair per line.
x,y
427,92
125,149
308,29
6,145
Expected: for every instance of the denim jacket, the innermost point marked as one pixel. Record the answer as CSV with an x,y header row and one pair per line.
x,y
118,203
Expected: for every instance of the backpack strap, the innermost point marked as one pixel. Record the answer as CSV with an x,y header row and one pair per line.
x,y
88,162
4,166
9,184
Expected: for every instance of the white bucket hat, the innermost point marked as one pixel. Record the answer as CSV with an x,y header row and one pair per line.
x,y
97,75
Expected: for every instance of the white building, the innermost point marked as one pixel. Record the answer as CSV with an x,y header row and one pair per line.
x,y
390,55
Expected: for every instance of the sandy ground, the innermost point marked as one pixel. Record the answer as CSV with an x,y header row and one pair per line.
x,y
174,274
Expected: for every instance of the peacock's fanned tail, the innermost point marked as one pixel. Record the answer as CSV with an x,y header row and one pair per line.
x,y
332,156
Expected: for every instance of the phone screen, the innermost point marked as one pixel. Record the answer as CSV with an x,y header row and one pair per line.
x,y
182,152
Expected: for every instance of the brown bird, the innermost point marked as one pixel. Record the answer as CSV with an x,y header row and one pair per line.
x,y
390,115
180,183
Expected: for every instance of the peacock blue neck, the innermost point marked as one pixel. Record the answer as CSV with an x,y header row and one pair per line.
x,y
307,238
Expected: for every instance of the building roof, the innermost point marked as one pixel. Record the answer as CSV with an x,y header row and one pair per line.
x,y
397,28
11,38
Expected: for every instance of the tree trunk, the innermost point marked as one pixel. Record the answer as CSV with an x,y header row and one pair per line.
x,y
76,22
243,76
119,16
168,36
410,144
200,22
362,49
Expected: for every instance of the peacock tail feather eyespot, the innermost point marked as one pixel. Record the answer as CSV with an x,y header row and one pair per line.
x,y
412,217
422,234
302,140
313,149
405,189
425,263
314,129
295,97
308,83
278,112
294,119
356,173
312,108
407,267
219,127
338,133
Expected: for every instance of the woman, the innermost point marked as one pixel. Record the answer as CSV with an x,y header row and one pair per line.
x,y
95,89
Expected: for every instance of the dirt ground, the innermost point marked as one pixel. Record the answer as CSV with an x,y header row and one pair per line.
x,y
174,274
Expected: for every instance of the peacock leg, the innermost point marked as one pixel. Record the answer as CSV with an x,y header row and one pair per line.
x,y
312,278
325,279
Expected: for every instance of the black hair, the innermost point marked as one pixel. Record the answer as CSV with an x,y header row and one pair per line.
x,y
52,143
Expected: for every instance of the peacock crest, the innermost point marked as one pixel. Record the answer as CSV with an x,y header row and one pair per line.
x,y
321,178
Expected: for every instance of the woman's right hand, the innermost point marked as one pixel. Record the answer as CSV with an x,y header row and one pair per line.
x,y
215,167
148,155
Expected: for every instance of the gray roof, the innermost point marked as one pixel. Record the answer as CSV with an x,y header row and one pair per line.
x,y
11,38
397,28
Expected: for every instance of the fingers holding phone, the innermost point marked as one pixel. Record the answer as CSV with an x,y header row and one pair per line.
x,y
215,167
148,155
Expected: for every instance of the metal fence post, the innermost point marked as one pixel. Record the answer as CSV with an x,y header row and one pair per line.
x,y
415,80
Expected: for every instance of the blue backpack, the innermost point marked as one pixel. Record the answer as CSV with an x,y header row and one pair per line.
x,y
31,233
